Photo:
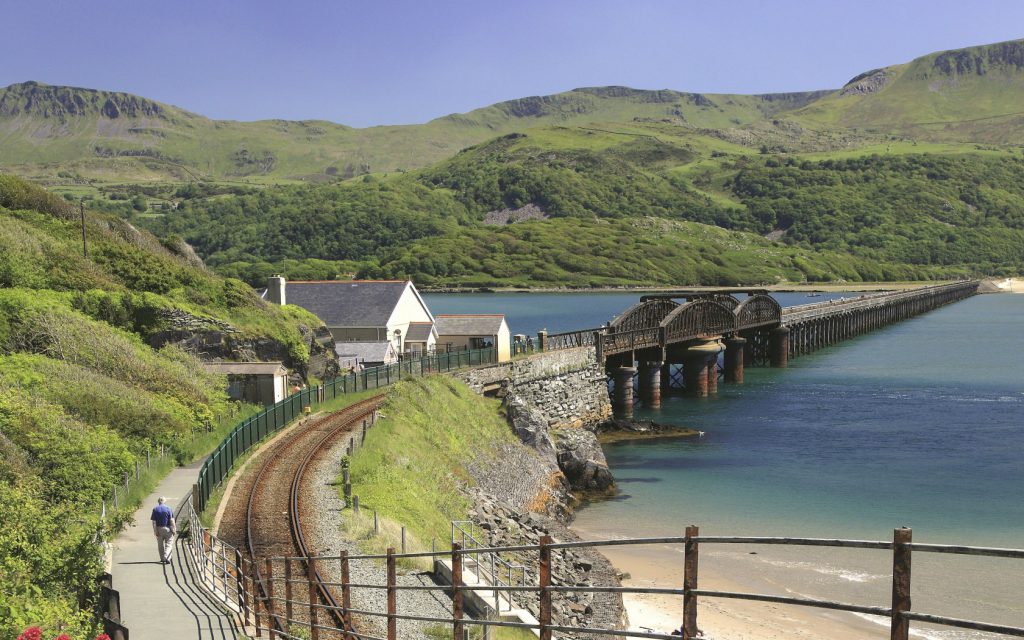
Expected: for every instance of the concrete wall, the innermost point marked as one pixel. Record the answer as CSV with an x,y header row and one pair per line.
x,y
569,387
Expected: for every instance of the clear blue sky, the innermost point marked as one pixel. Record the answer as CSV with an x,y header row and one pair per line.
x,y
367,63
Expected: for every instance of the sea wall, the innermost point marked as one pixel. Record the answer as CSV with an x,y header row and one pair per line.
x,y
568,387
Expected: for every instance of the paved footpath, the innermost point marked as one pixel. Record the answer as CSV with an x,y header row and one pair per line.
x,y
160,602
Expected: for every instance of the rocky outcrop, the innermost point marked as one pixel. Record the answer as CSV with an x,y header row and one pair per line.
x,y
582,461
213,339
869,82
572,450
576,566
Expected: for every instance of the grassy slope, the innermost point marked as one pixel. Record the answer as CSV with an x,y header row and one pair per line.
x,y
83,395
447,426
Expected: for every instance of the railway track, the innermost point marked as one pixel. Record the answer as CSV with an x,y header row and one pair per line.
x,y
276,492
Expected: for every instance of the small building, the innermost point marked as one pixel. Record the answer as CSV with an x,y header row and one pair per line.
x,y
478,331
362,355
421,338
263,383
359,310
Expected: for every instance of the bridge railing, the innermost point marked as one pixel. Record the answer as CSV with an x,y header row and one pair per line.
x,y
800,312
570,339
632,340
548,586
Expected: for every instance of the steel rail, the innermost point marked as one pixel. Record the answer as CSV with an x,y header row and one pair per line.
x,y
360,410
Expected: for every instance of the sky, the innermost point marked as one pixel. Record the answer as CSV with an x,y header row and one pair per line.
x,y
404,62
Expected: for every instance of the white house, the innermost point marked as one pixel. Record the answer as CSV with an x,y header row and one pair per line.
x,y
362,311
257,382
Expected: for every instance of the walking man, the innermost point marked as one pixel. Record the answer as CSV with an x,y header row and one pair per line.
x,y
163,529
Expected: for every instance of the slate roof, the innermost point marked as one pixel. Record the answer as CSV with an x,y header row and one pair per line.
x,y
468,325
366,351
419,331
348,303
246,368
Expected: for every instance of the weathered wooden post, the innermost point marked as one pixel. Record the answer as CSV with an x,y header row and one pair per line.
x,y
314,631
376,523
289,610
690,583
256,600
269,582
403,539
392,593
901,539
457,625
544,568
346,591
542,340
355,504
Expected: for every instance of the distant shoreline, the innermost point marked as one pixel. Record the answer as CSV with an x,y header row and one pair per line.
x,y
790,287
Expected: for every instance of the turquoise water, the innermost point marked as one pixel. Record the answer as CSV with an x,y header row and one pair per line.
x,y
920,424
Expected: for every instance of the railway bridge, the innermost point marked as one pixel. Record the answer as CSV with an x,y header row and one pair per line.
x,y
690,339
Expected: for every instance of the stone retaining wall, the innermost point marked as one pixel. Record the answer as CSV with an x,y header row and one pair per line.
x,y
568,386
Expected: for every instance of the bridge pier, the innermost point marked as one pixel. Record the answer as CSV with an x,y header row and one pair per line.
x,y
622,403
779,346
700,362
650,383
735,347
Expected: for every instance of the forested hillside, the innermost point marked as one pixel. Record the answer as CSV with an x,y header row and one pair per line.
x,y
91,379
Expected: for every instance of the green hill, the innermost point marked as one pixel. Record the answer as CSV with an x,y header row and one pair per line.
x,y
96,372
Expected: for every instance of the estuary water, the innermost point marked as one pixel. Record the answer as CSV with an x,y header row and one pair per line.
x,y
920,424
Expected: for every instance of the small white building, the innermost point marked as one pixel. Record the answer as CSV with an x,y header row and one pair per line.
x,y
362,311
263,383
473,331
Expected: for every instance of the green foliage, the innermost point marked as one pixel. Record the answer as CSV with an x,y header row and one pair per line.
x,y
47,556
948,211
447,426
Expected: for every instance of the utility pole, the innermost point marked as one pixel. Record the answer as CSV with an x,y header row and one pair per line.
x,y
81,213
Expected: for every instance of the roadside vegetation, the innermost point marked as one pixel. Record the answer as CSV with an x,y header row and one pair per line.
x,y
84,396
415,459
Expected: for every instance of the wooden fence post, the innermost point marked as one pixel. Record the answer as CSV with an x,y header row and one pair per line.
x,y
256,599
545,582
289,610
392,593
457,626
269,607
689,583
346,592
900,583
314,632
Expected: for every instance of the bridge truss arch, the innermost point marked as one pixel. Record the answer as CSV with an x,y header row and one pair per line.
x,y
644,314
759,310
697,319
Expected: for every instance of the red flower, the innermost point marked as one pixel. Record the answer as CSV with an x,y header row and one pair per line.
x,y
103,636
32,633
63,636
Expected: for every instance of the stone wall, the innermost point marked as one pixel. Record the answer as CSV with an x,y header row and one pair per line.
x,y
568,386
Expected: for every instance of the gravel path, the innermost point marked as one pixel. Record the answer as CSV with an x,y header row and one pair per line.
x,y
323,527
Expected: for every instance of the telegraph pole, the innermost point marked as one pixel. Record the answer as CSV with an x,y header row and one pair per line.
x,y
81,213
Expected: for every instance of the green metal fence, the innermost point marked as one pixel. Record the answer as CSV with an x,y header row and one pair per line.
x,y
256,428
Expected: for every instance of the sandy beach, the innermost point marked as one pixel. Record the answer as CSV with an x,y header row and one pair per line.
x,y
722,619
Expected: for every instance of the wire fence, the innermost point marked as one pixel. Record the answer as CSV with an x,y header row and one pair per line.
x,y
290,608
255,428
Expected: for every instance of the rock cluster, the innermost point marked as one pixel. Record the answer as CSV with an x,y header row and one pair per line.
x,y
581,567
575,451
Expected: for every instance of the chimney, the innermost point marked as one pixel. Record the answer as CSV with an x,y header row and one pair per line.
x,y
275,290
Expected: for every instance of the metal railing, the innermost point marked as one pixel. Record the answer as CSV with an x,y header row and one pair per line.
x,y
547,586
255,428
817,309
493,570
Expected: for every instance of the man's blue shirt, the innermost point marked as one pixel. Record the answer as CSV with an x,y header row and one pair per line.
x,y
162,515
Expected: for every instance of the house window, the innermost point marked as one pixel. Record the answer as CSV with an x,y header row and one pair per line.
x,y
481,343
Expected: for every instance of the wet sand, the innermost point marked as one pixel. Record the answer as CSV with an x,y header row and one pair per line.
x,y
719,618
